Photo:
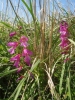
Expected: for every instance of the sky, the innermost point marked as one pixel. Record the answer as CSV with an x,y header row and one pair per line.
x,y
10,13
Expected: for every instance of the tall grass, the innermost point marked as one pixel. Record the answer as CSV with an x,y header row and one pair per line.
x,y
49,78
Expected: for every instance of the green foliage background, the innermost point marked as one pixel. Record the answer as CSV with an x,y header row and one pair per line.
x,y
53,79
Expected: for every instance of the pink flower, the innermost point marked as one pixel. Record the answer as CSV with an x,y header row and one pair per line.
x,y
27,60
16,60
64,42
12,34
63,27
13,46
64,37
19,68
23,41
26,52
11,50
16,63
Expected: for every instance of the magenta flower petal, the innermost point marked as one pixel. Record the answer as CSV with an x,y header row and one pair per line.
x,y
23,41
24,44
13,46
63,26
12,34
11,50
63,45
10,44
16,63
64,29
27,60
19,68
15,58
26,52
64,37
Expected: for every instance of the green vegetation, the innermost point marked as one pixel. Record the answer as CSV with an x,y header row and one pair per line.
x,y
51,75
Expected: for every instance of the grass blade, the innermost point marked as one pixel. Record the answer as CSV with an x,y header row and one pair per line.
x,y
61,79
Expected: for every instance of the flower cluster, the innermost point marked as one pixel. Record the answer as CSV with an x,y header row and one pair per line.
x,y
25,54
64,34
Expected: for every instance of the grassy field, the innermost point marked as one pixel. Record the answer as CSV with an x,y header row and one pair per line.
x,y
37,52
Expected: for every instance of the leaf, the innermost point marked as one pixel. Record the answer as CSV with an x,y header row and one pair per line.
x,y
6,24
35,65
71,41
16,93
4,46
61,79
4,73
19,88
29,8
3,32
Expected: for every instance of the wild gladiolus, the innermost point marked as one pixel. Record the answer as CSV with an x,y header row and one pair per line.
x,y
13,46
22,54
19,68
16,60
23,41
27,60
64,34
12,34
26,52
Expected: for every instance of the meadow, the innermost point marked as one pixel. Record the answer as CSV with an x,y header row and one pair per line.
x,y
37,52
